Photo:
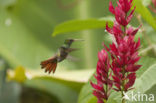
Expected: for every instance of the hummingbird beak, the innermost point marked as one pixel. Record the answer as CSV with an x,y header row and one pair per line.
x,y
78,39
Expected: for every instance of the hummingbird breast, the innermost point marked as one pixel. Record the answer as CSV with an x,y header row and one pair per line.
x,y
62,55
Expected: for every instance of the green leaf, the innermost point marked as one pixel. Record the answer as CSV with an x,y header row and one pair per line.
x,y
146,62
152,91
59,85
79,25
145,13
86,93
145,81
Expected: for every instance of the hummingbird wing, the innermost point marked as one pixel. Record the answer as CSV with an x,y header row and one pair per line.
x,y
50,64
71,58
71,49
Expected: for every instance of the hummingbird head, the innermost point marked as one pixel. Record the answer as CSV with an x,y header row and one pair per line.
x,y
70,41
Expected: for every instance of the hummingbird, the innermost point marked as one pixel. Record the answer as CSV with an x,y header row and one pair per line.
x,y
51,64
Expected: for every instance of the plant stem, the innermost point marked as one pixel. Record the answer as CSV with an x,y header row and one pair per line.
x,y
123,100
123,71
123,87
86,35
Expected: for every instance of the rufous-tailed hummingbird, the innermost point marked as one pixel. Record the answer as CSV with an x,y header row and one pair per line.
x,y
63,51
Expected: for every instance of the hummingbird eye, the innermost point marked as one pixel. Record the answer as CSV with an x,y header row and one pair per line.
x,y
71,40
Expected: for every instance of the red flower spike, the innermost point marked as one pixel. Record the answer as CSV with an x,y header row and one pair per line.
x,y
123,54
103,77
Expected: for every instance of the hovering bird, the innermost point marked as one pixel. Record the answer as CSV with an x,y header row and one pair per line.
x,y
51,64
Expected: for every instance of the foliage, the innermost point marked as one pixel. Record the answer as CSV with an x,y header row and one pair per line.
x,y
65,90
77,25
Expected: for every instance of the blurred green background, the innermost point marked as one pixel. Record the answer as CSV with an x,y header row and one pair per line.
x,y
26,28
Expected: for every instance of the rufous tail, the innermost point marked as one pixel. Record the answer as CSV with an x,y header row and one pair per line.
x,y
49,65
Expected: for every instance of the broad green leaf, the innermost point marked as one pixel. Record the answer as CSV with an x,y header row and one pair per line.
x,y
93,100
146,62
145,13
145,81
86,93
79,25
72,75
64,89
151,91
